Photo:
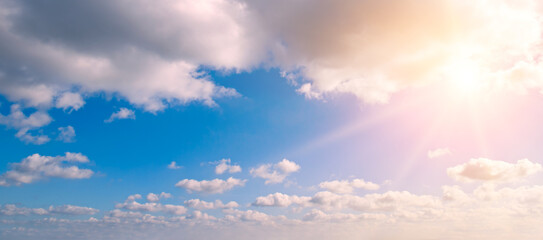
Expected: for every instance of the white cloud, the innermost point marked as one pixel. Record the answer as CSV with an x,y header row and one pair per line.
x,y
280,200
224,166
151,197
483,169
19,121
203,205
66,134
386,202
275,173
212,186
36,167
439,152
346,186
316,215
123,113
173,165
131,204
12,209
27,137
70,100
249,216
72,210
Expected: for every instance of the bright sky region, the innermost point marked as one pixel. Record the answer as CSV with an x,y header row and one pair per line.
x,y
233,119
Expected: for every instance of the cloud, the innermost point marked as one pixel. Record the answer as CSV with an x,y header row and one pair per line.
x,y
203,205
117,53
131,204
372,49
66,134
36,167
212,187
345,186
151,197
386,202
275,173
439,152
23,124
368,49
483,169
11,209
316,215
248,216
70,100
224,166
123,113
73,210
280,200
173,165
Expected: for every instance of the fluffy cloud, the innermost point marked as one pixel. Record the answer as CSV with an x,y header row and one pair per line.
x,y
389,201
44,57
371,49
345,186
36,167
123,113
439,152
249,216
275,173
316,215
151,197
66,134
203,205
72,210
23,124
212,186
11,209
280,200
365,48
133,205
483,169
70,100
224,166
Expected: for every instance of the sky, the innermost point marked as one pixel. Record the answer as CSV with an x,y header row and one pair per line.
x,y
250,119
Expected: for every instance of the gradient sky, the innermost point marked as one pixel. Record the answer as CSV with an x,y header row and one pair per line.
x,y
233,119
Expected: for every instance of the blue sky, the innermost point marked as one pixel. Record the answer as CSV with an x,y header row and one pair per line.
x,y
234,119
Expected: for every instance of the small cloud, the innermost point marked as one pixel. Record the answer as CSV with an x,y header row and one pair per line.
x,y
440,152
24,124
173,165
69,100
224,166
123,113
131,204
151,197
203,205
27,137
275,173
345,186
212,186
66,134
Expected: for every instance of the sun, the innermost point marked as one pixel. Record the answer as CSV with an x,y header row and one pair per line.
x,y
464,77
